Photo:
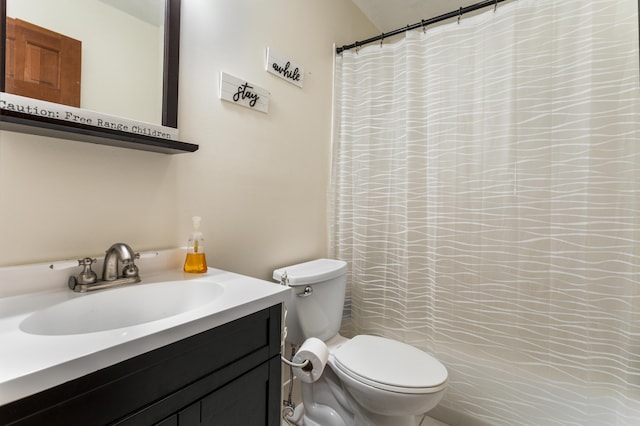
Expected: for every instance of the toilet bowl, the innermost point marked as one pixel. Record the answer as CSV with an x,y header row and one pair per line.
x,y
368,380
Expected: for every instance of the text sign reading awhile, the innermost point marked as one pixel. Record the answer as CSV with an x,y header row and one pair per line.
x,y
284,68
241,92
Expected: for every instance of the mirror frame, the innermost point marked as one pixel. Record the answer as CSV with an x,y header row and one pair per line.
x,y
171,63
27,123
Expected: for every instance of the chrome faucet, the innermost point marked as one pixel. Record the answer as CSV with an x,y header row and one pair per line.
x,y
118,254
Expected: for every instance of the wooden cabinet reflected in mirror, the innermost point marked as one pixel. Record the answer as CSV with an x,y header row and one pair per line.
x,y
42,64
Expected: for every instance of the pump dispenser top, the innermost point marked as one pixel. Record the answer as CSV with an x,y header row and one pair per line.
x,y
195,261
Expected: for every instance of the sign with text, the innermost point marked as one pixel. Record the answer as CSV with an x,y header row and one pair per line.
x,y
22,104
284,68
241,92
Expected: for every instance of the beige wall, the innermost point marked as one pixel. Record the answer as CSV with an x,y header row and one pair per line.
x,y
259,181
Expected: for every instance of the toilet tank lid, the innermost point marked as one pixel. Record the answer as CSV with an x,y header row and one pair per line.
x,y
312,272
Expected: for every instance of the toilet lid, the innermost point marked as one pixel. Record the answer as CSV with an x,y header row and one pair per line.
x,y
389,364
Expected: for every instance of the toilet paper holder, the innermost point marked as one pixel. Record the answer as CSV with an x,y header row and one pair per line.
x,y
295,364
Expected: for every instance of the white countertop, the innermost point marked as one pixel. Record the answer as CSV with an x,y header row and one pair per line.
x,y
30,363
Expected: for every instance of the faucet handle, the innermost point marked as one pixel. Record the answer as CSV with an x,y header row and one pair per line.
x,y
129,269
68,264
87,276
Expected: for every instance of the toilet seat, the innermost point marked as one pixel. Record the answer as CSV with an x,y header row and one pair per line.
x,y
390,365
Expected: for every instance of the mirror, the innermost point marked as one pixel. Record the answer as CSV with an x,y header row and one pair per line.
x,y
65,57
127,56
161,53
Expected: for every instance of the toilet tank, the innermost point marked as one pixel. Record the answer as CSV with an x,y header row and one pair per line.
x,y
315,306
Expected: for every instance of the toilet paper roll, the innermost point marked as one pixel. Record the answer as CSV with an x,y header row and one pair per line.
x,y
317,353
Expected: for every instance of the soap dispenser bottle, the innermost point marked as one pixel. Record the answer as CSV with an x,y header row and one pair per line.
x,y
195,261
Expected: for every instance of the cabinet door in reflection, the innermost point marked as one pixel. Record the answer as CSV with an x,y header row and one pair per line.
x,y
42,64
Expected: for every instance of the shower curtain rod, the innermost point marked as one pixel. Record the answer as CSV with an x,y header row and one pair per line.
x,y
423,23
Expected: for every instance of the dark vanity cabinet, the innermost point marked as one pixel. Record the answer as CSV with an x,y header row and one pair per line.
x,y
229,375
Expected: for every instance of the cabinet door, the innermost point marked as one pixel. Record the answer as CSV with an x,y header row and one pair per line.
x,y
169,421
42,64
241,402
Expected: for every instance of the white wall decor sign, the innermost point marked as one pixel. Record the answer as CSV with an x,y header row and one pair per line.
x,y
241,92
17,103
284,68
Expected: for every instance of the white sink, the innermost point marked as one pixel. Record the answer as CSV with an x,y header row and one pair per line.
x,y
121,307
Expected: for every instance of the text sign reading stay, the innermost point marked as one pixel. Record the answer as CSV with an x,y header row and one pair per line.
x,y
241,92
284,68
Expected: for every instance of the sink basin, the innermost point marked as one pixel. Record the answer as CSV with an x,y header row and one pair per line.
x,y
121,307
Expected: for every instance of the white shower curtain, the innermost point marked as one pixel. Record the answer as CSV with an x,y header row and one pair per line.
x,y
486,194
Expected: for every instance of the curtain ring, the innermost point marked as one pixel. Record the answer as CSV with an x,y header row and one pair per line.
x,y
424,30
459,14
495,6
381,39
357,48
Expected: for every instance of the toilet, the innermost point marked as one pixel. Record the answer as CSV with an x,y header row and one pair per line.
x,y
368,380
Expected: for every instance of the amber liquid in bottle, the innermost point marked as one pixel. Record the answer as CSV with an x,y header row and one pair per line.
x,y
195,263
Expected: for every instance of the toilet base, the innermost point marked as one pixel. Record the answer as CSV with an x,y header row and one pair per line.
x,y
326,403
299,419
